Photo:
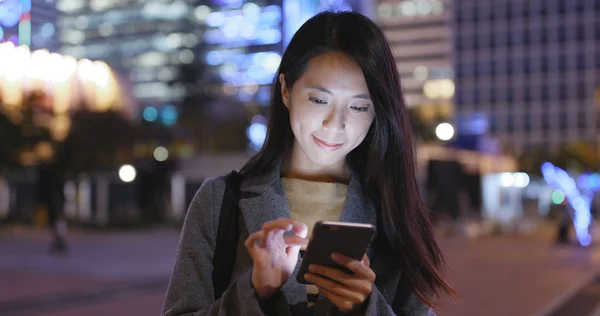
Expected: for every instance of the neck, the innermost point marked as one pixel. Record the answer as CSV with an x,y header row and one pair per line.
x,y
301,168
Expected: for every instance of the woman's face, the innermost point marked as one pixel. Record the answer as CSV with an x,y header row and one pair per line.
x,y
330,111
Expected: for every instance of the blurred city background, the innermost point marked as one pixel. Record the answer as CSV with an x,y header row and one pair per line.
x,y
113,112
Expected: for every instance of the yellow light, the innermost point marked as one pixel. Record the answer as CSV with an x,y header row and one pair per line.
x,y
431,89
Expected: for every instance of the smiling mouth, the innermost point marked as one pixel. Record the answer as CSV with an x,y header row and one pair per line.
x,y
327,146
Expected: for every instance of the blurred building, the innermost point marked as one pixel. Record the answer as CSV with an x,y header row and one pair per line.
x,y
31,23
421,38
526,71
242,47
244,40
146,41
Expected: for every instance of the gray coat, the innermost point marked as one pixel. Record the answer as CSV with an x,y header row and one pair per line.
x,y
263,199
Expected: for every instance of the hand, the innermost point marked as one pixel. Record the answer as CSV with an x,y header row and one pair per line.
x,y
274,255
347,292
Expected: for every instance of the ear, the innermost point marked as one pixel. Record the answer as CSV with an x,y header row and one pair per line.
x,y
285,94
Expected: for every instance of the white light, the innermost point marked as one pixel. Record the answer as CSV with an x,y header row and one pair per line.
x,y
421,73
101,73
257,133
127,173
186,56
521,180
408,8
507,179
201,12
444,131
105,30
161,153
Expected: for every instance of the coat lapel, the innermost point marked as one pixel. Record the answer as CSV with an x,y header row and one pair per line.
x,y
263,200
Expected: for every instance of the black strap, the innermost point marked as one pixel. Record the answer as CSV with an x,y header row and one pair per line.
x,y
227,235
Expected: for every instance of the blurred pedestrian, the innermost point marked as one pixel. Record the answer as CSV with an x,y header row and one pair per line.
x,y
51,196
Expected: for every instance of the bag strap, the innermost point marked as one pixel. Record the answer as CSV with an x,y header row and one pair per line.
x,y
227,235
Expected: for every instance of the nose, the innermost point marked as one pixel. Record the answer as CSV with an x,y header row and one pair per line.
x,y
335,120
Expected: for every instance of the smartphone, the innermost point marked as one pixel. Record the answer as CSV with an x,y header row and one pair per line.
x,y
350,239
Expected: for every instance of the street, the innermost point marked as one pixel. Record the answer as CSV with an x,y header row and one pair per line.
x,y
126,273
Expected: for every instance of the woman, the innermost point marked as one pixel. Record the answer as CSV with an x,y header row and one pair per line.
x,y
338,146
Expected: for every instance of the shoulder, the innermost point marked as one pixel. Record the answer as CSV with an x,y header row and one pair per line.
x,y
210,193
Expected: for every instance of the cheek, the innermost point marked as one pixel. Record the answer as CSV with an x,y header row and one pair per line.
x,y
361,128
302,117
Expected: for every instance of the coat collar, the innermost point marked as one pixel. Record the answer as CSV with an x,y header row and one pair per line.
x,y
263,199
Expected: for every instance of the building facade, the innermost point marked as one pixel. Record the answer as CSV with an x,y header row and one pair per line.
x,y
420,35
31,23
145,41
528,70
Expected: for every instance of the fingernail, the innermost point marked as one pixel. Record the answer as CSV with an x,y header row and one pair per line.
x,y
312,268
335,257
308,276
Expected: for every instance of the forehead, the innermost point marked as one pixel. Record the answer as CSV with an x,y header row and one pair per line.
x,y
334,70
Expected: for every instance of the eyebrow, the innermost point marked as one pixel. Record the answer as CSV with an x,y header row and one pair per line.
x,y
364,96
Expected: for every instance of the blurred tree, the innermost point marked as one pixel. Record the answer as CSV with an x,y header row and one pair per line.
x,y
10,143
578,156
21,134
532,158
97,140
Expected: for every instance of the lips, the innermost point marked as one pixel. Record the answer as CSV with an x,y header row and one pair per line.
x,y
327,146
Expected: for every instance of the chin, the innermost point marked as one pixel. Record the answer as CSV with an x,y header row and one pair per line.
x,y
327,160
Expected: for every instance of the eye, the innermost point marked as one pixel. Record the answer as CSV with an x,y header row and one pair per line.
x,y
360,108
317,101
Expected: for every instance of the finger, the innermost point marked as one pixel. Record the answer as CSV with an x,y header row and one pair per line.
x,y
366,261
335,288
280,223
353,283
251,241
295,241
355,266
301,230
342,303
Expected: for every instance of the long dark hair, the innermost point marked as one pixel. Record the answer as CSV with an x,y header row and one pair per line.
x,y
385,160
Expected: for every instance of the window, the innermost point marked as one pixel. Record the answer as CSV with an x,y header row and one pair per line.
x,y
510,95
580,61
561,6
543,32
528,122
562,92
527,67
562,33
493,97
459,96
527,94
580,31
545,121
562,62
581,120
543,63
492,124
510,124
562,121
581,90
545,93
